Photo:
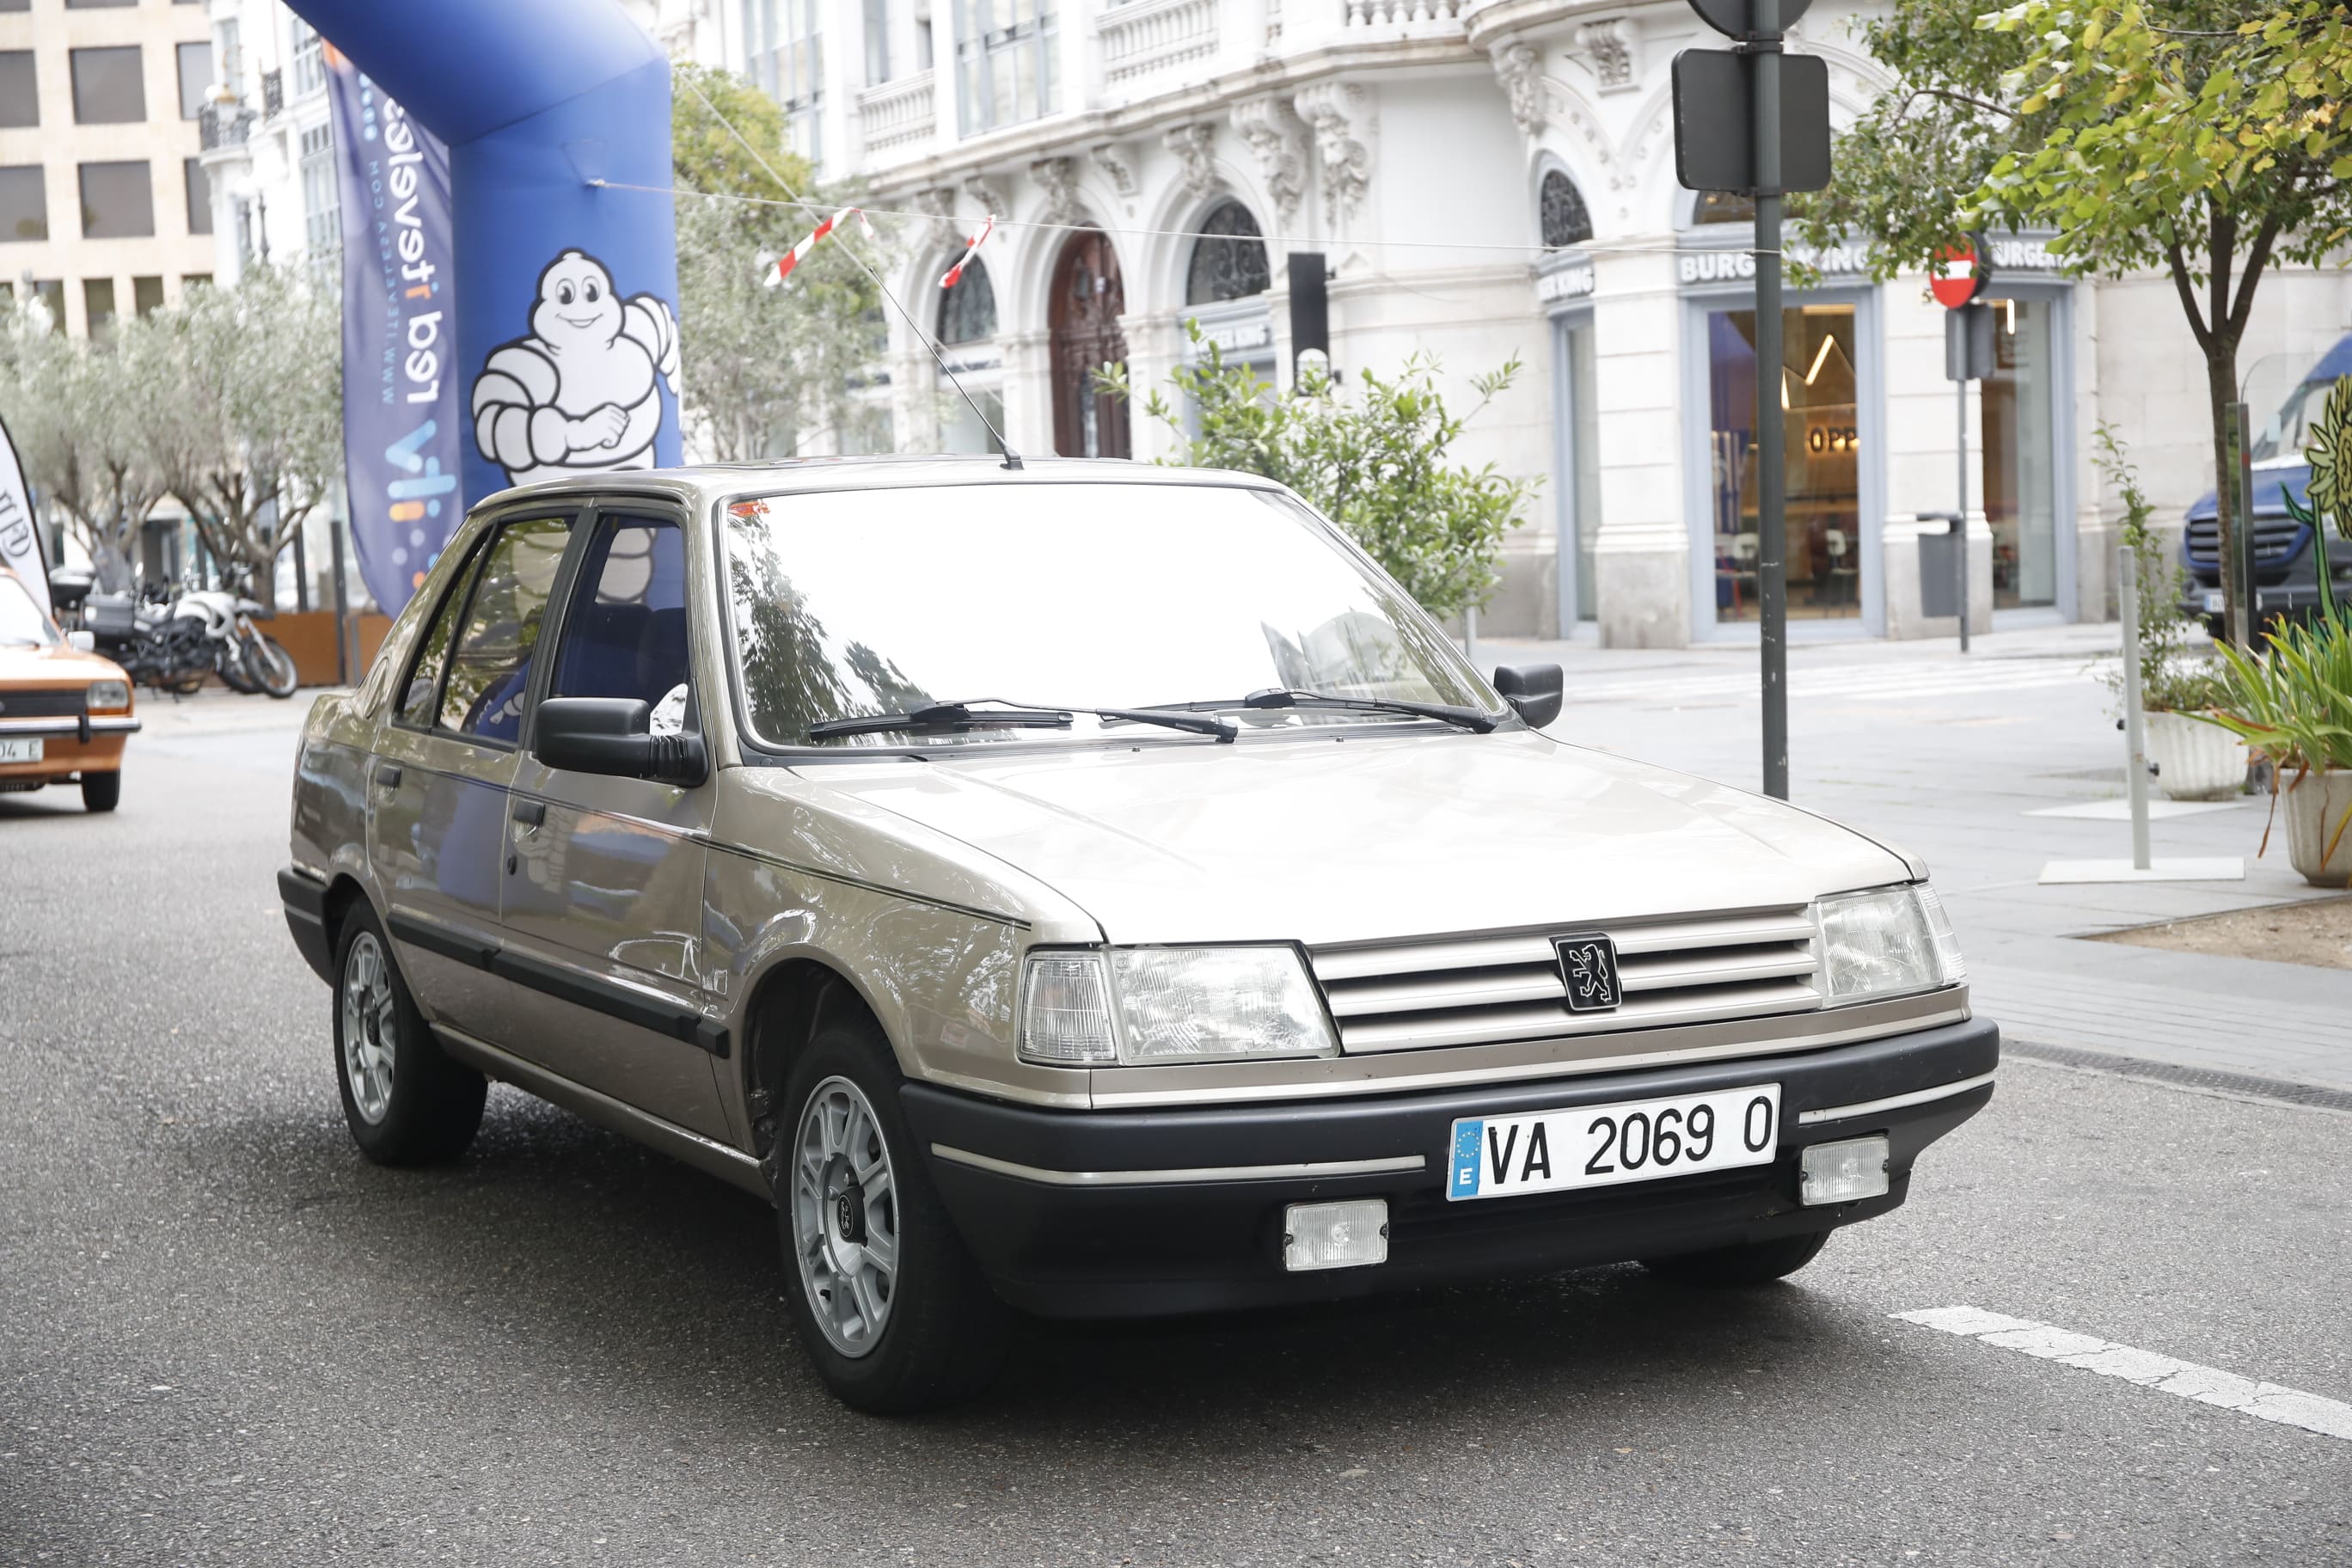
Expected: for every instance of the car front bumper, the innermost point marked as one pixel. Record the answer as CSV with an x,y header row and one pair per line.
x,y
79,743
1135,1213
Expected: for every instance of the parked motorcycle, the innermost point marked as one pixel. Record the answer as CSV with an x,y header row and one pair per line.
x,y
170,642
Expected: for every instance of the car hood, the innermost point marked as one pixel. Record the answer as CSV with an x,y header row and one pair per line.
x,y
60,666
1327,840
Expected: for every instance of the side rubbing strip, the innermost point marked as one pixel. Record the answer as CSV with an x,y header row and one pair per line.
x,y
647,1010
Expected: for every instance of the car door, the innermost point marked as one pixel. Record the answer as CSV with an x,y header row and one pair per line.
x,y
437,782
602,899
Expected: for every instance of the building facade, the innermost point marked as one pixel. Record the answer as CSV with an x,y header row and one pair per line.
x,y
1484,178
104,209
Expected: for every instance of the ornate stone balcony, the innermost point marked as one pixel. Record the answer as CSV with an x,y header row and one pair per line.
x,y
1143,39
897,119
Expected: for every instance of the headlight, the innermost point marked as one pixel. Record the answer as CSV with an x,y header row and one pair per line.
x,y
1152,1005
1885,942
109,694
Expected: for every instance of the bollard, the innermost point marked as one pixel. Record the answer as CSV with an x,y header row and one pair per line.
x,y
2135,742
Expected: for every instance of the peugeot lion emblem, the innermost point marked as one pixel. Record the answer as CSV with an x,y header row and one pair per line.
x,y
1588,968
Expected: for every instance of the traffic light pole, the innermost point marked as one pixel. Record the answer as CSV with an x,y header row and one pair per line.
x,y
1771,450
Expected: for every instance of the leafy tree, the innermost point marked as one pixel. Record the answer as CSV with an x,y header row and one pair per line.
x,y
78,413
1373,460
762,368
246,425
2183,136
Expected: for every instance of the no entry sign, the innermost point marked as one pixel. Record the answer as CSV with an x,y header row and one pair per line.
x,y
1955,279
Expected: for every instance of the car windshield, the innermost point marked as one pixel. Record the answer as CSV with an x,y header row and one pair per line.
x,y
849,602
2286,431
21,621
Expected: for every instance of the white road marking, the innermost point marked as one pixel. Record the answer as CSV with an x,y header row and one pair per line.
x,y
2206,1384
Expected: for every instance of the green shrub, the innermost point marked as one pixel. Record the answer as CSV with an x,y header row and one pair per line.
x,y
1373,459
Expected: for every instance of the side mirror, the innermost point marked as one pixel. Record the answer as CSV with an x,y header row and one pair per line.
x,y
609,735
82,641
1533,690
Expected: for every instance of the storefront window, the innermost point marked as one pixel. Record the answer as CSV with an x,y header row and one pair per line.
x,y
2020,475
1580,490
1822,443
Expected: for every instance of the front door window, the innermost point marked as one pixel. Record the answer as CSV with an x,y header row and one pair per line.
x,y
1823,441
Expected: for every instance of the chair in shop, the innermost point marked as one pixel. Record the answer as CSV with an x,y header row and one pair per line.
x,y
1845,570
1736,568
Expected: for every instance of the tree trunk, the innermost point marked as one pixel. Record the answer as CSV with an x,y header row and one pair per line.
x,y
2221,390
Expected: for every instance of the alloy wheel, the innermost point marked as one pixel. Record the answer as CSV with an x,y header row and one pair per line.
x,y
371,1027
845,1216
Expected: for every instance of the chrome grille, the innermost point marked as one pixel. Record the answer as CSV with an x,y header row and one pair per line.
x,y
2276,539
1463,991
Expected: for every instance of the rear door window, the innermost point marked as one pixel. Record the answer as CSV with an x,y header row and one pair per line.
x,y
419,699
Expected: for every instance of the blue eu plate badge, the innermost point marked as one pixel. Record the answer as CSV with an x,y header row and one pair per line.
x,y
1462,1181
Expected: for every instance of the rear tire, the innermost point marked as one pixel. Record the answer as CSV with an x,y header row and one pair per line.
x,y
887,1302
102,791
1751,1263
405,1101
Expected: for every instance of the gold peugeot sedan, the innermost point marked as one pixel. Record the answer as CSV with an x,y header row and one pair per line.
x,y
65,712
1085,889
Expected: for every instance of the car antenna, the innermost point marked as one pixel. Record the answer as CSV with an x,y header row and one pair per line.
x,y
1012,457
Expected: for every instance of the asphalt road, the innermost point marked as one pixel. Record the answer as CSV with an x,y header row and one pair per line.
x,y
226,1339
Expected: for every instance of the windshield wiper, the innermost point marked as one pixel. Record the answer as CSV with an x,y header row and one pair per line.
x,y
1283,697
964,715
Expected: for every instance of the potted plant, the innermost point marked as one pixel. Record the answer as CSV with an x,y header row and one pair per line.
x,y
2178,689
2294,704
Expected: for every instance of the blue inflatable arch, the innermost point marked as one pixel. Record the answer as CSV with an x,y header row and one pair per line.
x,y
565,292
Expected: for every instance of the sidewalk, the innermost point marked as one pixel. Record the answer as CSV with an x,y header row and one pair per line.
x,y
1948,756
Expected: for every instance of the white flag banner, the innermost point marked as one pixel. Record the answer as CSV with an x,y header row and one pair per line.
x,y
20,540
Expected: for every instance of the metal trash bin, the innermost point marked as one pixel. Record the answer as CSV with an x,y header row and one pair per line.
x,y
1940,566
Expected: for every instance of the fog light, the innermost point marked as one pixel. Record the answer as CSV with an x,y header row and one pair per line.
x,y
1334,1236
1842,1173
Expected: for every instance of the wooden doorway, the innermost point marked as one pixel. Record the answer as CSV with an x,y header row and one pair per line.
x,y
1087,301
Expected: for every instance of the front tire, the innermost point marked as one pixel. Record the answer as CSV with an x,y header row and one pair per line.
x,y
269,666
888,1304
1752,1263
102,791
405,1101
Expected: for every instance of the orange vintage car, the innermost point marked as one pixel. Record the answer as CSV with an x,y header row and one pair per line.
x,y
64,711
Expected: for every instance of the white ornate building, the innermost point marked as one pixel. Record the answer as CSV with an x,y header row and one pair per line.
x,y
1484,178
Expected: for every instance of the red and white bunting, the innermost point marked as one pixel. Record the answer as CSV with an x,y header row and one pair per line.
x,y
785,263
955,272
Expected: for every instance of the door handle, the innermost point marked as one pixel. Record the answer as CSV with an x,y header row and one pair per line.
x,y
387,777
530,813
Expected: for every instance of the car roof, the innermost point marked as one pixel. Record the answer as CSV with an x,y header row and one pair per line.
x,y
709,482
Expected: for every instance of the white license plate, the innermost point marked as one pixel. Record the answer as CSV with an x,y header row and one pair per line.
x,y
20,751
2213,602
1602,1145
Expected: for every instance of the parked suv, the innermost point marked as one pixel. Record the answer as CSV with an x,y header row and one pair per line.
x,y
1088,889
2287,564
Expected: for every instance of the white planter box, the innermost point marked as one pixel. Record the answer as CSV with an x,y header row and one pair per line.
x,y
2194,760
2313,810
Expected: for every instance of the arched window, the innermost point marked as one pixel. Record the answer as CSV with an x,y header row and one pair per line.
x,y
968,310
1565,220
1230,264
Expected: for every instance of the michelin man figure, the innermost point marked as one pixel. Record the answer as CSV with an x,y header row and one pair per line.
x,y
578,394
